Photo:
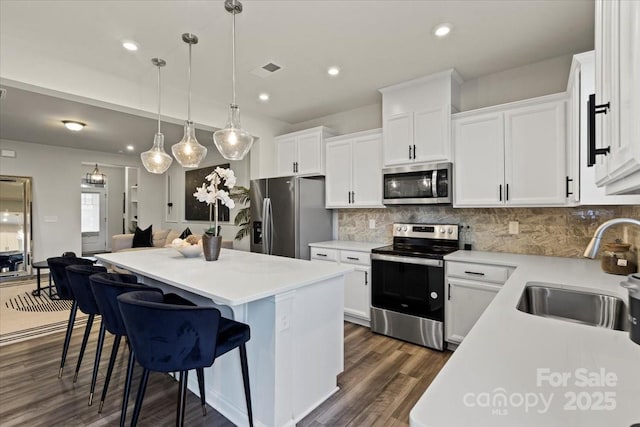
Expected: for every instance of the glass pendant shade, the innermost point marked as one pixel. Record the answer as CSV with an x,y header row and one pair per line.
x,y
233,142
156,160
188,152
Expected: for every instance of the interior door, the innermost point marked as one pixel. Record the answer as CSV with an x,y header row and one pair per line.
x,y
93,220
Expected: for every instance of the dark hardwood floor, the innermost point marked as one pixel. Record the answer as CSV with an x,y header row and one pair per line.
x,y
383,379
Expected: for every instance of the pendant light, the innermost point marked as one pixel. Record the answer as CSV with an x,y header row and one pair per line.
x,y
156,160
233,142
95,177
188,152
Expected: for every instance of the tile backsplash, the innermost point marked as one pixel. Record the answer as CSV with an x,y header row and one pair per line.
x,y
561,232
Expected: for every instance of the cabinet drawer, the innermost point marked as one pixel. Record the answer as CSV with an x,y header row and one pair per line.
x,y
482,272
352,257
324,254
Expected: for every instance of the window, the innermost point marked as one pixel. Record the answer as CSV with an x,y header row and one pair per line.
x,y
90,213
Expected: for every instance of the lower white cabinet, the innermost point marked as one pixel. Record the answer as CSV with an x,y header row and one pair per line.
x,y
470,289
357,284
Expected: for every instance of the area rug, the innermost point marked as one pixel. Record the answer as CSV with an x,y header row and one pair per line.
x,y
24,316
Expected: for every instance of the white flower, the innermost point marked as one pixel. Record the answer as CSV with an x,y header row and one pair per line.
x,y
225,199
230,181
201,193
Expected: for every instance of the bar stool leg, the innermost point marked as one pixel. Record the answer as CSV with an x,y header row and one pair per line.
x,y
67,338
96,363
112,361
142,388
203,401
182,398
83,347
245,379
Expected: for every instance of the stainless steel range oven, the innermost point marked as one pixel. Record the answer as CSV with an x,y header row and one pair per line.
x,y
407,283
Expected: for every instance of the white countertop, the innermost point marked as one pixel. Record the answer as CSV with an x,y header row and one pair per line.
x,y
237,277
347,245
503,352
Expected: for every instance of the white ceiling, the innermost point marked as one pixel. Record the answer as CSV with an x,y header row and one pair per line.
x,y
375,43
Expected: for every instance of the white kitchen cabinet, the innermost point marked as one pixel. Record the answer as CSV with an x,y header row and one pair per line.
x,y
617,58
581,180
470,289
511,155
354,170
302,152
357,289
416,117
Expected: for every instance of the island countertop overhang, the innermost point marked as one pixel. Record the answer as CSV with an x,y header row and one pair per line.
x,y
236,278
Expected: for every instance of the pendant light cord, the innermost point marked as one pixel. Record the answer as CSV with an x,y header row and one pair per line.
x,y
159,98
189,102
233,57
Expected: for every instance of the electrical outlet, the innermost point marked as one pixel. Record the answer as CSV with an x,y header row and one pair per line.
x,y
284,322
514,227
372,223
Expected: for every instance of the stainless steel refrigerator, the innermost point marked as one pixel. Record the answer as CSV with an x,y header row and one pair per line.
x,y
288,213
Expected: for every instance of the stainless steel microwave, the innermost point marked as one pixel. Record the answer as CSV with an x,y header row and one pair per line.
x,y
418,184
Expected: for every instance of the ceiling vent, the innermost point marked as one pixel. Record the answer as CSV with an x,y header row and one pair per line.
x,y
3,93
266,70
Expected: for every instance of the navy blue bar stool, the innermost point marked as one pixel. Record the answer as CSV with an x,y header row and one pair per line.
x,y
78,276
106,287
169,337
57,269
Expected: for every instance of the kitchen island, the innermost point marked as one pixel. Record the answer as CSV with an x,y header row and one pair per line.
x,y
294,308
517,369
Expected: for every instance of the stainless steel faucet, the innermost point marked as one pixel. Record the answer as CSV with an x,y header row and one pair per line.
x,y
594,244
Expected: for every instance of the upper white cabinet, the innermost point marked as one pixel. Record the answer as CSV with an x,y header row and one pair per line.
x,y
511,155
617,71
354,170
302,152
581,179
416,117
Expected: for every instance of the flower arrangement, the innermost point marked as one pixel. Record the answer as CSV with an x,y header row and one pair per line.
x,y
211,193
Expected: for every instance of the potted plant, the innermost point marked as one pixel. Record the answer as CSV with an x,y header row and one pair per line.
x,y
210,194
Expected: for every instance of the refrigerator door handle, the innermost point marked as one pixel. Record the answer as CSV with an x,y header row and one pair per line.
x,y
270,213
265,225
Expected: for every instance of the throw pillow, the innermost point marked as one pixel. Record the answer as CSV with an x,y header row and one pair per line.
x,y
142,238
159,238
186,233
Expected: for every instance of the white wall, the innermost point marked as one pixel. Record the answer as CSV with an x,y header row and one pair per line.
x,y
363,118
56,174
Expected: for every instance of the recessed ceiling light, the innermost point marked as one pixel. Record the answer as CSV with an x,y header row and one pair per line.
x,y
333,71
130,147
74,126
442,30
264,97
130,45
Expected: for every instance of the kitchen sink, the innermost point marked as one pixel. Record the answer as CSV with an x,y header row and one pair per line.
x,y
586,308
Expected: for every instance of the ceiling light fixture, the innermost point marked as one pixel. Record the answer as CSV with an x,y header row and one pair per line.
x,y
233,142
73,125
442,30
188,152
95,177
130,147
130,45
333,71
156,160
264,97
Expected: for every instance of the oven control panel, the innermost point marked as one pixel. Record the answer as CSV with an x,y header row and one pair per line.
x,y
427,231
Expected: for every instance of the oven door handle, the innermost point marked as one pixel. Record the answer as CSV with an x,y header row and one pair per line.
x,y
408,260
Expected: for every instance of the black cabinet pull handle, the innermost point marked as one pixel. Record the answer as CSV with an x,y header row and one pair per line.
x,y
319,254
500,191
592,110
353,197
506,193
475,273
409,152
566,183
414,151
449,292
349,196
366,278
353,258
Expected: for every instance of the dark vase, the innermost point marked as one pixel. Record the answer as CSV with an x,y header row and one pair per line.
x,y
211,246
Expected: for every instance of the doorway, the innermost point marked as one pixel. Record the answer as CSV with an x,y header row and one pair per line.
x,y
93,219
